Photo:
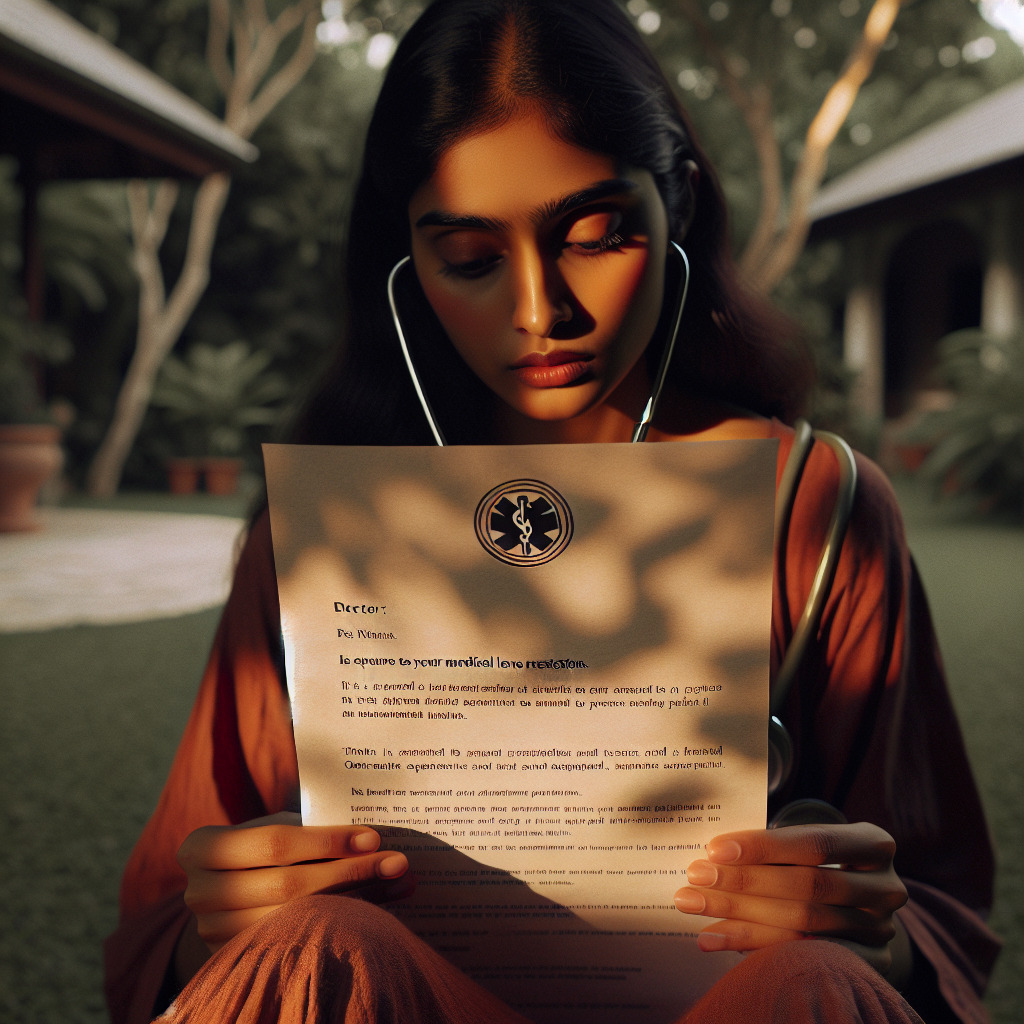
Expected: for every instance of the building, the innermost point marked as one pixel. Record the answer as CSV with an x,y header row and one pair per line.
x,y
73,107
933,231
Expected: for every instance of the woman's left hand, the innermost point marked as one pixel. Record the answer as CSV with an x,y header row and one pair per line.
x,y
822,881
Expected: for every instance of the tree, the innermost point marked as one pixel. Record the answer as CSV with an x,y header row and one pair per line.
x,y
242,45
777,242
795,71
275,266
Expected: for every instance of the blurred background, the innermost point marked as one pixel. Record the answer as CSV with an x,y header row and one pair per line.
x,y
175,317
174,177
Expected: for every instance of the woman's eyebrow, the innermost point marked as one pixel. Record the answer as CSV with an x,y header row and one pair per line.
x,y
548,211
441,219
591,194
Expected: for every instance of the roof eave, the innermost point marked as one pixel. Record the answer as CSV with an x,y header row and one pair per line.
x,y
177,134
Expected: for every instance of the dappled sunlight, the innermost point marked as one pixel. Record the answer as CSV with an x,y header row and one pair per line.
x,y
664,589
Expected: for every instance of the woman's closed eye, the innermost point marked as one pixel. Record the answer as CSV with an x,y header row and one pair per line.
x,y
465,254
471,255
607,243
595,233
471,269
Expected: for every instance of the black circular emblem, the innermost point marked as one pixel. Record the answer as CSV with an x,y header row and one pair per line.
x,y
524,522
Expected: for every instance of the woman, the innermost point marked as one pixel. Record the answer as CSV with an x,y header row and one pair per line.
x,y
530,157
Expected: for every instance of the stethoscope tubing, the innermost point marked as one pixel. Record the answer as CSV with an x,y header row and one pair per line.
x,y
428,412
828,561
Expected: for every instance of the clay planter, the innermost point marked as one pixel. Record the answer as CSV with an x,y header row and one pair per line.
x,y
30,454
221,475
183,475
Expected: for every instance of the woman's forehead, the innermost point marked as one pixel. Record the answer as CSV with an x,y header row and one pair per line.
x,y
520,170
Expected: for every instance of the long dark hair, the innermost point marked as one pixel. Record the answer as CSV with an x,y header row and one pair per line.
x,y
469,65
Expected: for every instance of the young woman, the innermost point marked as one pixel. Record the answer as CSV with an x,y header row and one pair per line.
x,y
531,159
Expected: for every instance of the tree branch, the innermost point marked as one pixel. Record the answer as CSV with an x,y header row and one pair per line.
x,y
769,163
217,44
287,77
755,107
209,203
823,129
256,15
149,220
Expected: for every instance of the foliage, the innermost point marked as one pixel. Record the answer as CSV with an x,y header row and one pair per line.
x,y
978,442
26,348
794,49
274,278
92,293
217,394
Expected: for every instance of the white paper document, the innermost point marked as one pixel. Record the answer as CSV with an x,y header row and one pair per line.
x,y
541,671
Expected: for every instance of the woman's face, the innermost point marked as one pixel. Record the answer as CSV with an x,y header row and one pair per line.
x,y
544,263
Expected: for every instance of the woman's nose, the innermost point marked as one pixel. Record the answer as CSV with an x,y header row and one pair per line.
x,y
541,296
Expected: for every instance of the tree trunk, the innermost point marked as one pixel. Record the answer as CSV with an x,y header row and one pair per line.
x,y
779,259
161,322
251,96
132,402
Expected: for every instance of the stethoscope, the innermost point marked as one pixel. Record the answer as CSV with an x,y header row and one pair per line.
x,y
781,754
643,424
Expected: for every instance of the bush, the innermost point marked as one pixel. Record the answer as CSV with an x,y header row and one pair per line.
x,y
978,442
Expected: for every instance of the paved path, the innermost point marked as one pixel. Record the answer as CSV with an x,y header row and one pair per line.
x,y
88,567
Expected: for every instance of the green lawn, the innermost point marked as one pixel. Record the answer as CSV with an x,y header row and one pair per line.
x,y
974,575
91,717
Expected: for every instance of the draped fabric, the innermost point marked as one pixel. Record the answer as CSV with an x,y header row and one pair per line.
x,y
336,960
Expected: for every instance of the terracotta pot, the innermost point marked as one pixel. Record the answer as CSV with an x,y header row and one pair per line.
x,y
913,455
221,475
183,475
30,454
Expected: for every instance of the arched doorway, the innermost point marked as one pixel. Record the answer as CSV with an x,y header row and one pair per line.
x,y
933,286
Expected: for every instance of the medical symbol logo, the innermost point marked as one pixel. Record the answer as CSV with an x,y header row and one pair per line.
x,y
524,522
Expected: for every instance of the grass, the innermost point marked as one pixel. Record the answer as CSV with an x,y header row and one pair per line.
x,y
91,718
974,575
92,715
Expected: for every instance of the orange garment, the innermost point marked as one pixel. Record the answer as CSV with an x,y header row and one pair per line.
x,y
337,960
870,718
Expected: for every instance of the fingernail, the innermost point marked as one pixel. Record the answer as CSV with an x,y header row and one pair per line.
x,y
702,872
393,866
365,842
690,902
712,942
725,852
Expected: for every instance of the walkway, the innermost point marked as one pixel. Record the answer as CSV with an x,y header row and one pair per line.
x,y
93,567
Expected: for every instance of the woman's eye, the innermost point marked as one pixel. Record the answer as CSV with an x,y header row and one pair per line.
x,y
470,269
606,243
467,254
595,233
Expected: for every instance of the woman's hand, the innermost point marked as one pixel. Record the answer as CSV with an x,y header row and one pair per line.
x,y
238,873
770,886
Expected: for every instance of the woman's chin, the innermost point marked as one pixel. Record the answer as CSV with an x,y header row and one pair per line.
x,y
554,405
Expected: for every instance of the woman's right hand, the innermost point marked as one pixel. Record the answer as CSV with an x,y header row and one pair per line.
x,y
238,873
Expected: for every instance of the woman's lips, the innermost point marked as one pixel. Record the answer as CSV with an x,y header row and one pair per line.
x,y
551,369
